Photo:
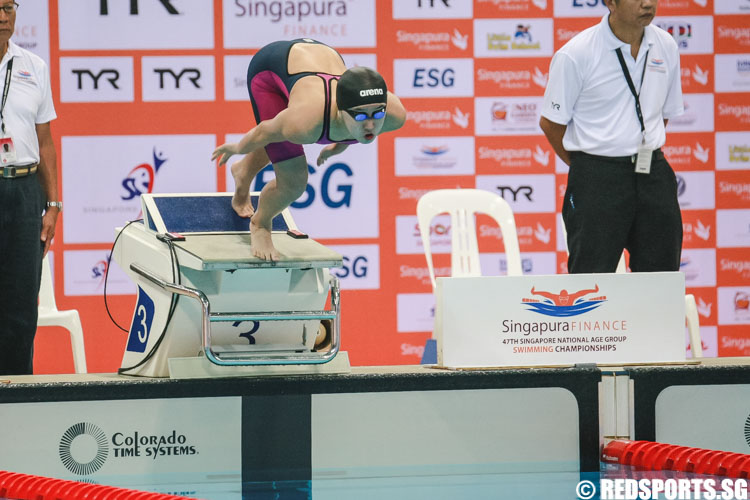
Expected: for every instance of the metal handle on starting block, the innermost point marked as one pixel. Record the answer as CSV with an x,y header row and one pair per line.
x,y
249,357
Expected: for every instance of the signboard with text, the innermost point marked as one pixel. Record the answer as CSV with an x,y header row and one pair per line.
x,y
561,319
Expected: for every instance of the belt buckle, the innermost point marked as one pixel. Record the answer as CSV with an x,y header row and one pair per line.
x,y
9,172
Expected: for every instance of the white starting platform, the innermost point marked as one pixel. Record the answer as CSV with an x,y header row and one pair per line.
x,y
207,307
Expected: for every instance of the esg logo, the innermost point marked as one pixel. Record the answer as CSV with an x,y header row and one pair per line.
x,y
333,194
356,267
433,77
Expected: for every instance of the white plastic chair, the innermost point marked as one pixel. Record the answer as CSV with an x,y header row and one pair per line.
x,y
70,320
462,204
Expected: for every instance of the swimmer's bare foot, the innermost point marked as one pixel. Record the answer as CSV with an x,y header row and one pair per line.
x,y
243,207
241,199
261,242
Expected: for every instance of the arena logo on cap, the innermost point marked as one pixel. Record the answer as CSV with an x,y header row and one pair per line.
x,y
564,303
370,92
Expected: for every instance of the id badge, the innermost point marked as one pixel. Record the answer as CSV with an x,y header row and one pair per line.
x,y
7,151
643,160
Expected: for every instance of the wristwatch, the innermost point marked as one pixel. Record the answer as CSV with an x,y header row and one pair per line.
x,y
57,204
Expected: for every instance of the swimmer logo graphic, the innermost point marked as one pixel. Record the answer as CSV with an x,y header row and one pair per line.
x,y
99,272
141,178
564,304
76,443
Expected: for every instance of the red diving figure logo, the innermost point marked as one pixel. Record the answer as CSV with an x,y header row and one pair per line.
x,y
564,304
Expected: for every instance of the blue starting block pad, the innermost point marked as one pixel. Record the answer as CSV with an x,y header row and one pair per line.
x,y
199,214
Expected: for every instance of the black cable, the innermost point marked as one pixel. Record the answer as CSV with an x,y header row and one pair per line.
x,y
176,277
106,273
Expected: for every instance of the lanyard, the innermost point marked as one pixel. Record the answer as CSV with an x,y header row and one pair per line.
x,y
632,87
5,92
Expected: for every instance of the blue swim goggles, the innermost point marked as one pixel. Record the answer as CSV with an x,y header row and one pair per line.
x,y
361,116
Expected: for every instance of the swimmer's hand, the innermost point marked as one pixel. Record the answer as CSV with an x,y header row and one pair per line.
x,y
330,150
224,152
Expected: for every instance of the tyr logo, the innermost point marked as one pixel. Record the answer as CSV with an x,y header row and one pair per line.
x,y
524,190
194,76
104,7
114,75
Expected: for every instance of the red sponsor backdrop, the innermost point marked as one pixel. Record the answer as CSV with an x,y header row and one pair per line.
x,y
409,29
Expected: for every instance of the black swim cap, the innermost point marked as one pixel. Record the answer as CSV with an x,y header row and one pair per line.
x,y
360,85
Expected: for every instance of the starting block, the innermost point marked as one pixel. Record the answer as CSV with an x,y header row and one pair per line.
x,y
206,306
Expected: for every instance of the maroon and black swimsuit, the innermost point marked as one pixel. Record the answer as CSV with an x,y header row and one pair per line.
x,y
269,84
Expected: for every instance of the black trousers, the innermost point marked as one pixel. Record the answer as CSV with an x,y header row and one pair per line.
x,y
608,207
21,204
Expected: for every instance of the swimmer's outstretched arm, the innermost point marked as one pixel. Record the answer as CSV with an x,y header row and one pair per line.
x,y
278,129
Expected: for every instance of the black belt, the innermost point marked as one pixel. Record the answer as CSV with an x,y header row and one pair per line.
x,y
658,155
11,172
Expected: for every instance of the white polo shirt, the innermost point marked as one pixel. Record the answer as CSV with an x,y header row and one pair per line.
x,y
29,101
588,92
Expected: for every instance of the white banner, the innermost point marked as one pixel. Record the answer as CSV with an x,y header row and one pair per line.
x,y
698,115
434,156
507,115
733,151
432,9
524,193
85,272
361,270
513,38
580,8
178,78
693,34
144,24
561,319
341,199
340,23
112,439
696,190
734,71
32,28
104,177
96,79
434,77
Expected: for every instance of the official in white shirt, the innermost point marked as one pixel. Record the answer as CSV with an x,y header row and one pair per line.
x,y
29,205
605,115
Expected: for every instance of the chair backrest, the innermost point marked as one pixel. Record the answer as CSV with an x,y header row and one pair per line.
x,y
47,288
462,204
